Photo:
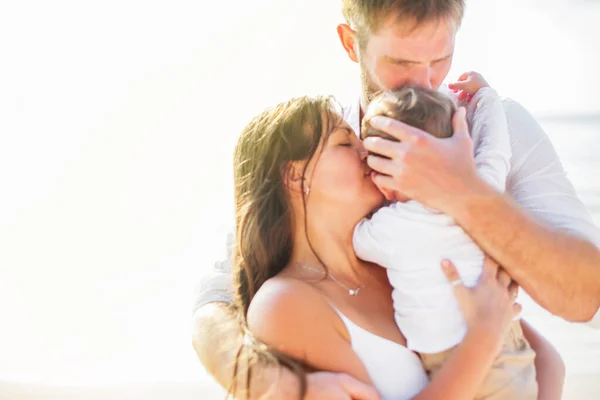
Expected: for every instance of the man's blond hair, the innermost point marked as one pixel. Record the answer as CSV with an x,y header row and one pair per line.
x,y
367,16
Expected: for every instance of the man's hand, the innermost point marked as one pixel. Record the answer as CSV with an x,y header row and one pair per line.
x,y
468,84
439,173
334,386
285,385
217,337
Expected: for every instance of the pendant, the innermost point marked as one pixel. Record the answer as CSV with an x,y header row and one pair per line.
x,y
352,292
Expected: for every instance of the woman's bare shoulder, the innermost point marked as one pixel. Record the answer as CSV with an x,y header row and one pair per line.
x,y
282,297
287,312
297,319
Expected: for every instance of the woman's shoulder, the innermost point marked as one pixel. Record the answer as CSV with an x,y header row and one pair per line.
x,y
287,288
284,297
285,310
295,318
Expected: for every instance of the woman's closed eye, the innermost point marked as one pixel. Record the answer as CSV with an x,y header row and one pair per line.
x,y
343,137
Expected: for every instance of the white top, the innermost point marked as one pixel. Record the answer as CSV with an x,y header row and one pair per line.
x,y
411,240
537,181
396,372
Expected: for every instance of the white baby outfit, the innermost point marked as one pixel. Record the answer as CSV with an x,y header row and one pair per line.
x,y
410,241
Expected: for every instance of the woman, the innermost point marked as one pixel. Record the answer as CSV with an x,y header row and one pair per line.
x,y
301,185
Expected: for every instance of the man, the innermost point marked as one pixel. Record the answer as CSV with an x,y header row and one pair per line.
x,y
539,231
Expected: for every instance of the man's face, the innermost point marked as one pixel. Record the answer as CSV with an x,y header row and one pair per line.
x,y
397,55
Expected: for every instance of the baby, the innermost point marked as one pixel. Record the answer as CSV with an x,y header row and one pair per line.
x,y
410,240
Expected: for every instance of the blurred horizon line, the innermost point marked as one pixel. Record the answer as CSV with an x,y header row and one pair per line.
x,y
592,116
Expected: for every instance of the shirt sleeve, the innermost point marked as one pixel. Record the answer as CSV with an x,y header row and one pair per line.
x,y
538,181
217,285
491,142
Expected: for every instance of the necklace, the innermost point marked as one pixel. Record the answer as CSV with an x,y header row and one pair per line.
x,y
351,292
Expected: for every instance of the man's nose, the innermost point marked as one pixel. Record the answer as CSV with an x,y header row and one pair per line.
x,y
422,78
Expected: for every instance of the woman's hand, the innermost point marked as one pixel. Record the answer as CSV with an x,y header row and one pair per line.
x,y
488,309
490,306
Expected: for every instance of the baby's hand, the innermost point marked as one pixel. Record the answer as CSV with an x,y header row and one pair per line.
x,y
468,84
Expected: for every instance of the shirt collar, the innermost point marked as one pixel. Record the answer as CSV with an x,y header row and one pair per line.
x,y
351,114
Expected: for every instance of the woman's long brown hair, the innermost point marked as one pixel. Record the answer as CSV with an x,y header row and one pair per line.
x,y
288,132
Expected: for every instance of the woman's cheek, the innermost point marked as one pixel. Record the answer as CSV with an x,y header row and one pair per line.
x,y
354,177
341,169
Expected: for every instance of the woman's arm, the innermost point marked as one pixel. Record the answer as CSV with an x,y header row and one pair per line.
x,y
463,373
488,309
549,366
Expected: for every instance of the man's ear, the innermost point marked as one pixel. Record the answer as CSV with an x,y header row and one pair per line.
x,y
348,39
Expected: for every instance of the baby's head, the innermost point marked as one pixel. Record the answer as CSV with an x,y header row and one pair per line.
x,y
426,109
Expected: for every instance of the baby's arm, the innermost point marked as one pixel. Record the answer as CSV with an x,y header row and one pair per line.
x,y
372,239
489,128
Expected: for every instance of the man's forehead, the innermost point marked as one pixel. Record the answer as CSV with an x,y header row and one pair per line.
x,y
429,40
408,26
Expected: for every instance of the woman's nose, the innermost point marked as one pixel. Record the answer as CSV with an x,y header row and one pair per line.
x,y
363,154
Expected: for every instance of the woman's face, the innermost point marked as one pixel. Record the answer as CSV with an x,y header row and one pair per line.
x,y
339,177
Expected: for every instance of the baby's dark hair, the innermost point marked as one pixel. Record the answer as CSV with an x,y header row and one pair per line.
x,y
426,109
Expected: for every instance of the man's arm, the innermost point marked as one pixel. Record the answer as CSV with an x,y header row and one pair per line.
x,y
547,250
217,337
544,237
559,270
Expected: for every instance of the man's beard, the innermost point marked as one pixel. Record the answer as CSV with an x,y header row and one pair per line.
x,y
368,87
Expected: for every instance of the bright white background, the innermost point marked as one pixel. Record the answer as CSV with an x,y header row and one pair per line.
x,y
117,123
